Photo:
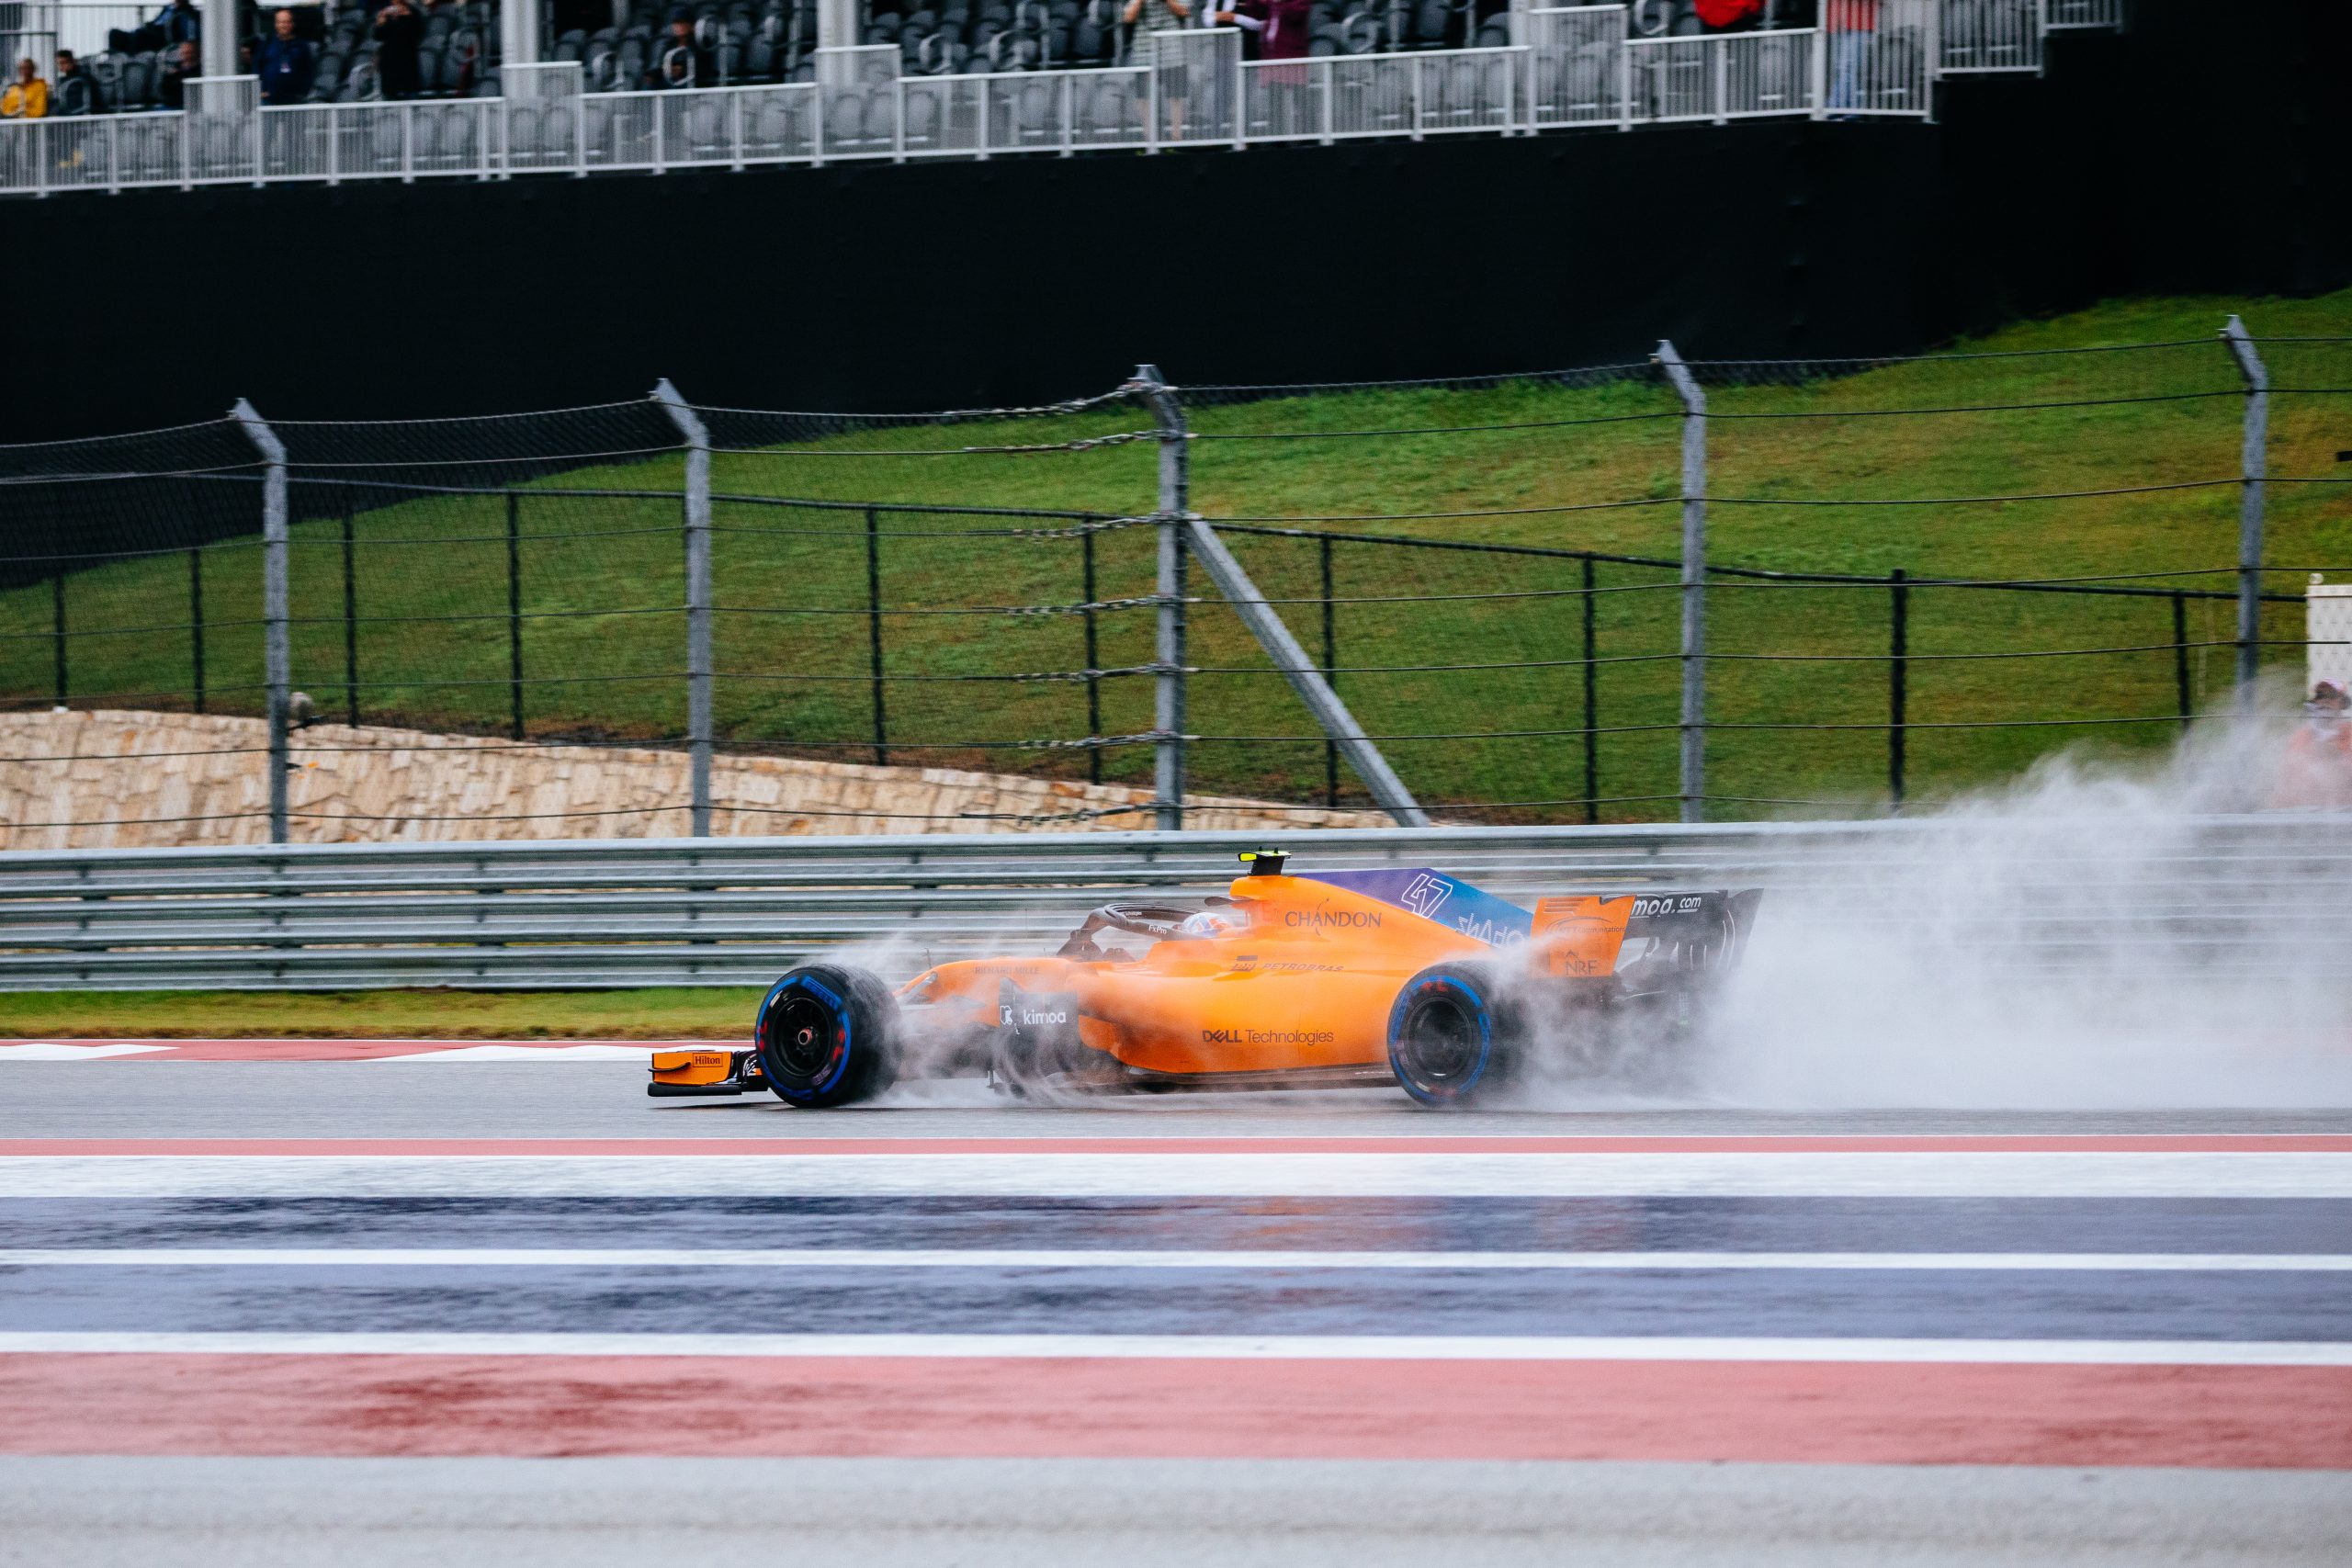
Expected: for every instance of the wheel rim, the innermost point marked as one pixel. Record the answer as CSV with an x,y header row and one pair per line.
x,y
1443,1039
802,1036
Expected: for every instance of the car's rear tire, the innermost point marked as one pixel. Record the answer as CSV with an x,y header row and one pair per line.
x,y
1452,1039
828,1035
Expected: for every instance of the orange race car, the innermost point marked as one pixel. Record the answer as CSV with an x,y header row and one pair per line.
x,y
1290,982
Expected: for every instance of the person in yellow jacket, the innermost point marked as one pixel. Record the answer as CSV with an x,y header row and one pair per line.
x,y
27,96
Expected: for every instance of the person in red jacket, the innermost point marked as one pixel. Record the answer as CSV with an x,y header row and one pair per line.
x,y
2317,774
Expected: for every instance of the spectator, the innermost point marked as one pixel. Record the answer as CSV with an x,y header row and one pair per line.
x,y
1145,17
1284,35
175,25
287,65
1853,37
1729,15
1142,18
182,23
681,60
2318,771
171,87
76,92
399,31
27,96
1249,17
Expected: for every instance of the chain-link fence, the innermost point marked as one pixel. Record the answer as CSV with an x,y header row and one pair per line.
x,y
1615,594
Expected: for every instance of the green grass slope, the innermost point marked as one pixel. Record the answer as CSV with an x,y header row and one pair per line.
x,y
1467,662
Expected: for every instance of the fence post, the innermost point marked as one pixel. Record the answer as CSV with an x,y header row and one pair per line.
x,y
1094,658
697,503
57,627
277,655
874,633
514,613
1168,702
2252,461
2180,654
2249,509
1591,704
1331,663
1816,73
1898,675
1693,789
350,628
196,620
1625,73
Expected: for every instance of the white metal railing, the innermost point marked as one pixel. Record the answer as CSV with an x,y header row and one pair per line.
x,y
1332,98
1571,66
2081,14
1886,68
1987,35
1577,64
1732,76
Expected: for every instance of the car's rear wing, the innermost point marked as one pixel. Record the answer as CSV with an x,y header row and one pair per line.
x,y
1710,927
1703,928
1583,933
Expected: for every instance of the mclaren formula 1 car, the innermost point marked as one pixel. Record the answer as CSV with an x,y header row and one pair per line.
x,y
1287,981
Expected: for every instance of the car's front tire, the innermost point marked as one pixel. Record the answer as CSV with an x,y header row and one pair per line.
x,y
1452,1039
828,1035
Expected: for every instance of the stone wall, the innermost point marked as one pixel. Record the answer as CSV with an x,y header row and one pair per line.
x,y
129,780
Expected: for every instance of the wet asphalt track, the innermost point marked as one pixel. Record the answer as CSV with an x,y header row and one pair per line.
x,y
2080,1337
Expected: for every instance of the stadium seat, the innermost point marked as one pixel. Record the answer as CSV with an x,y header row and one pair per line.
x,y
1094,35
600,64
138,81
1653,19
106,80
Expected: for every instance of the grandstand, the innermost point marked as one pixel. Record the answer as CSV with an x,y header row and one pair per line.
x,y
612,86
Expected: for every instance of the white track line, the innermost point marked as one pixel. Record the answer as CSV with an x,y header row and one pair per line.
x,y
1915,1174
1402,1348
914,1257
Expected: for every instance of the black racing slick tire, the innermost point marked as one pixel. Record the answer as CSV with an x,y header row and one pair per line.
x,y
1452,1039
828,1035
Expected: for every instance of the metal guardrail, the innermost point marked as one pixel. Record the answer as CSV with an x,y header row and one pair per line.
x,y
737,911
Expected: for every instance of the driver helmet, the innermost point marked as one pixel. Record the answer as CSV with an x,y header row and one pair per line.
x,y
1211,923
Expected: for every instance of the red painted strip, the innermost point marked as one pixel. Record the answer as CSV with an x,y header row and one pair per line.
x,y
2247,1418
2121,1142
349,1050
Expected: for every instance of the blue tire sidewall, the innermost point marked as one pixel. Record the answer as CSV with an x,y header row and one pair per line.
x,y
835,1003
1413,990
